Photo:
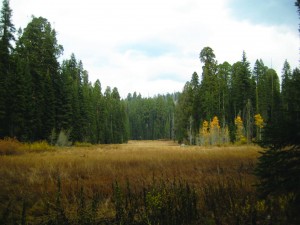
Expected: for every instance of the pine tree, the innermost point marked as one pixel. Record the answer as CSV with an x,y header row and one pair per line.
x,y
209,87
241,85
278,168
99,112
64,111
38,45
224,74
183,113
7,31
259,75
272,87
285,84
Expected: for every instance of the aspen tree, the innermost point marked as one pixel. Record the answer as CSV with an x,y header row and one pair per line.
x,y
204,133
259,122
215,131
239,129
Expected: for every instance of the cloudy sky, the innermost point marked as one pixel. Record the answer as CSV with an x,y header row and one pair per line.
x,y
153,46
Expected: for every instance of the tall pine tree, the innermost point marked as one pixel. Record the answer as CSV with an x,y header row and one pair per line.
x,y
7,31
38,49
278,168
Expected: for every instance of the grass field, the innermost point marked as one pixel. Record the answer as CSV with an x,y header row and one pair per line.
x,y
97,184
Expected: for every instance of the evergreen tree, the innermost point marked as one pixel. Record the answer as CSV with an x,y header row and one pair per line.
x,y
285,84
99,113
196,104
259,75
241,86
278,168
64,110
38,45
108,123
183,113
224,74
150,118
7,31
209,87
272,87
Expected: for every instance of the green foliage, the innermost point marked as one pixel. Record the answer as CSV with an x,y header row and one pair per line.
x,y
150,118
278,169
63,138
7,31
159,203
227,91
44,97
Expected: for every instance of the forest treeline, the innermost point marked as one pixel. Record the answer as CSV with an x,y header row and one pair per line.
x,y
41,97
233,101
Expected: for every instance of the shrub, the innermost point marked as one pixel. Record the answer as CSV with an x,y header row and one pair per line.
x,y
10,146
63,138
168,203
39,146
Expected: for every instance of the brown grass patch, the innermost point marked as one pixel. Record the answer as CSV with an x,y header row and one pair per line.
x,y
137,161
34,175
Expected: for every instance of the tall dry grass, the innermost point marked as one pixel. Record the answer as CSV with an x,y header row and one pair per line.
x,y
38,180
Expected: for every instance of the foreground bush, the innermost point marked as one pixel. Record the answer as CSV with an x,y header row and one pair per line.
x,y
10,146
168,203
216,202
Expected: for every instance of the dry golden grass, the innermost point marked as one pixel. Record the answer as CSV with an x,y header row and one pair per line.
x,y
137,161
34,175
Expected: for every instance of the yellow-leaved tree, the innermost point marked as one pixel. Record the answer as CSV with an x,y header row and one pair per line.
x,y
259,122
215,131
239,134
204,133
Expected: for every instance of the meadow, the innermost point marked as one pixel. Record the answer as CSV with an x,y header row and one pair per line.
x,y
141,182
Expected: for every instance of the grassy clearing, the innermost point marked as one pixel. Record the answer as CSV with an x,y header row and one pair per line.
x,y
98,183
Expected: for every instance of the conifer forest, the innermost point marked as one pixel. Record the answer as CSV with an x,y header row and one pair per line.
x,y
41,97
75,152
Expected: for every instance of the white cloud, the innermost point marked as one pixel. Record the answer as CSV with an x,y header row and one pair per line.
x,y
102,34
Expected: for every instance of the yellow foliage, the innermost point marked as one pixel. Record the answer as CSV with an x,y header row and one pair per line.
x,y
212,133
215,123
259,121
215,131
204,133
239,130
11,146
238,121
205,130
39,146
261,206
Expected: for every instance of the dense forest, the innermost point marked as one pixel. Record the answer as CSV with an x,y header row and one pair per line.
x,y
41,98
233,99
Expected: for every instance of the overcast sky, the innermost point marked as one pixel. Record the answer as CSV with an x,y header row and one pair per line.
x,y
153,46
